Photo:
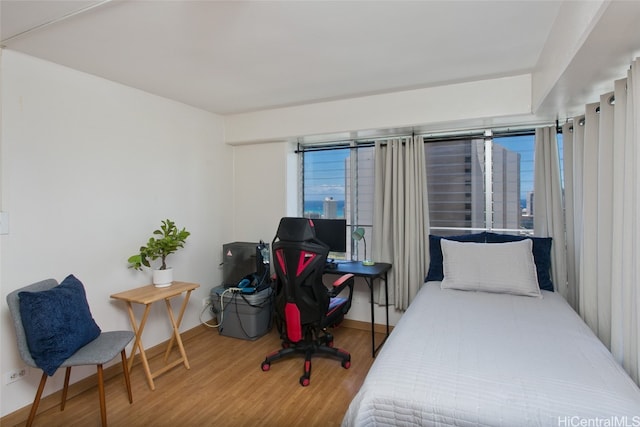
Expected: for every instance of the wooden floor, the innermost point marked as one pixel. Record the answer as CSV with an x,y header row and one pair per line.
x,y
226,387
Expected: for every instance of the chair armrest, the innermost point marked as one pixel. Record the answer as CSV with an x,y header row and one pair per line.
x,y
341,283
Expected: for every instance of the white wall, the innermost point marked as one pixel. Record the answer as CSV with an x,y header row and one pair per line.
x,y
89,169
463,104
260,183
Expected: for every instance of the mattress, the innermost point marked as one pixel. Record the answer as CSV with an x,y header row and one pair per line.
x,y
460,358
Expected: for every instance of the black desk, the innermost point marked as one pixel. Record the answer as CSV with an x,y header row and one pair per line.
x,y
370,273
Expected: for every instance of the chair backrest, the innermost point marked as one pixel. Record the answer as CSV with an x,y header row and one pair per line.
x,y
13,300
299,262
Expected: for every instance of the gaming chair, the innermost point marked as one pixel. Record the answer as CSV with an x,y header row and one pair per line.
x,y
305,307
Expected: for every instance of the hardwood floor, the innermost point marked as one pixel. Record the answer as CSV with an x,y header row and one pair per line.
x,y
226,387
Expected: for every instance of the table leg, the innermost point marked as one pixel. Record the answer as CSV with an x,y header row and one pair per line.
x,y
178,323
137,344
176,330
375,349
386,300
373,334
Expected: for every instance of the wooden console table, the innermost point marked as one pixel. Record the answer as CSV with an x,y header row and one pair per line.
x,y
147,295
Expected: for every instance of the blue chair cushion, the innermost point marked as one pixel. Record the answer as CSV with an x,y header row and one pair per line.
x,y
57,322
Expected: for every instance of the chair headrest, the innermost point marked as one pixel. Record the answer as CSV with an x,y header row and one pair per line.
x,y
296,229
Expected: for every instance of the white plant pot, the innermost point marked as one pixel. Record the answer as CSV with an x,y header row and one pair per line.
x,y
162,278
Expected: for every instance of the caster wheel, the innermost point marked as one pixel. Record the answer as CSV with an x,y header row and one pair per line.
x,y
304,381
266,366
346,364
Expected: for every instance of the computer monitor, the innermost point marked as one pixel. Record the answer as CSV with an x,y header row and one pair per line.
x,y
332,232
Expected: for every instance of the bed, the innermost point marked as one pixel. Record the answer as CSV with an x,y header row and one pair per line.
x,y
464,356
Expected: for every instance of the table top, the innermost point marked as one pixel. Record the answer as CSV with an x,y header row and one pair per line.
x,y
149,293
356,268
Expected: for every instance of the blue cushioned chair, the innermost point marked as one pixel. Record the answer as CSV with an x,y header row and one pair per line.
x,y
97,352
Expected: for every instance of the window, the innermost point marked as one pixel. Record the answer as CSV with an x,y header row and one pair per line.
x,y
481,184
338,183
474,184
324,183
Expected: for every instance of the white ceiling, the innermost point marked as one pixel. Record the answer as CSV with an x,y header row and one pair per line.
x,y
239,56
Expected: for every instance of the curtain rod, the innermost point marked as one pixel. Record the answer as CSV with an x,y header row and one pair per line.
x,y
444,136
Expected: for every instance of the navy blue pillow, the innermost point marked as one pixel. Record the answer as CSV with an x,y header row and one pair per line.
x,y
541,255
436,272
57,322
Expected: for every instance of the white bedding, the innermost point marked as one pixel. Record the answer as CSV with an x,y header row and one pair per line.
x,y
459,358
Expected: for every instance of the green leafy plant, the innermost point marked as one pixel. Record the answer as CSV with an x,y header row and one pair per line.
x,y
169,240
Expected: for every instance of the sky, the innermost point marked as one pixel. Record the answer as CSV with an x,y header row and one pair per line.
x,y
327,169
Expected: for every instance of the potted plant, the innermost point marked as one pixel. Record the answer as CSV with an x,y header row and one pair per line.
x,y
165,241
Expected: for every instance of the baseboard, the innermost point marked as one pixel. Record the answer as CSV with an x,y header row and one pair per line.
x,y
365,326
53,400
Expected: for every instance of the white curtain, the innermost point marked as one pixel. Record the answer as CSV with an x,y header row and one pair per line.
x,y
548,210
572,160
603,217
401,216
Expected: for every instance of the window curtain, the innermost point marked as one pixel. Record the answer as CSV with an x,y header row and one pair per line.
x,y
572,160
548,218
401,216
606,225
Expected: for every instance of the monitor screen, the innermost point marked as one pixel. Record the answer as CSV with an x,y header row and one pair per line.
x,y
332,232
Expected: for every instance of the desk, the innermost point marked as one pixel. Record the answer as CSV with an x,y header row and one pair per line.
x,y
147,295
369,273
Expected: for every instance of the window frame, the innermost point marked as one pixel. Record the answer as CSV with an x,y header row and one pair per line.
x,y
488,135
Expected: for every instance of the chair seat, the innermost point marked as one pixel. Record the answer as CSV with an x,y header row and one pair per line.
x,y
101,350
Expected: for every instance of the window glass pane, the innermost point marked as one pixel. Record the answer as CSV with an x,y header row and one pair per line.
x,y
561,157
363,215
326,188
458,197
513,182
338,183
324,183
455,171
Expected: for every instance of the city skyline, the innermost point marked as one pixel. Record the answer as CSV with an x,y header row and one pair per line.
x,y
327,175
331,179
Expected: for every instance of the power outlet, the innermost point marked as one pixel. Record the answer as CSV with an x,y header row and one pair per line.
x,y
16,375
206,302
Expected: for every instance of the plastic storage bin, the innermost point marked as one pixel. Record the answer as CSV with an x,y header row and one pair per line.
x,y
245,316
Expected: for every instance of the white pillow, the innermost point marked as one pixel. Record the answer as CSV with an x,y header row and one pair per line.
x,y
490,267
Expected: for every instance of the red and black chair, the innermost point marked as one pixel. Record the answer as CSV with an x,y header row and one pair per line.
x,y
305,307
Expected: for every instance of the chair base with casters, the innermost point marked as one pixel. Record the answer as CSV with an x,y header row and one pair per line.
x,y
97,352
315,339
313,344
